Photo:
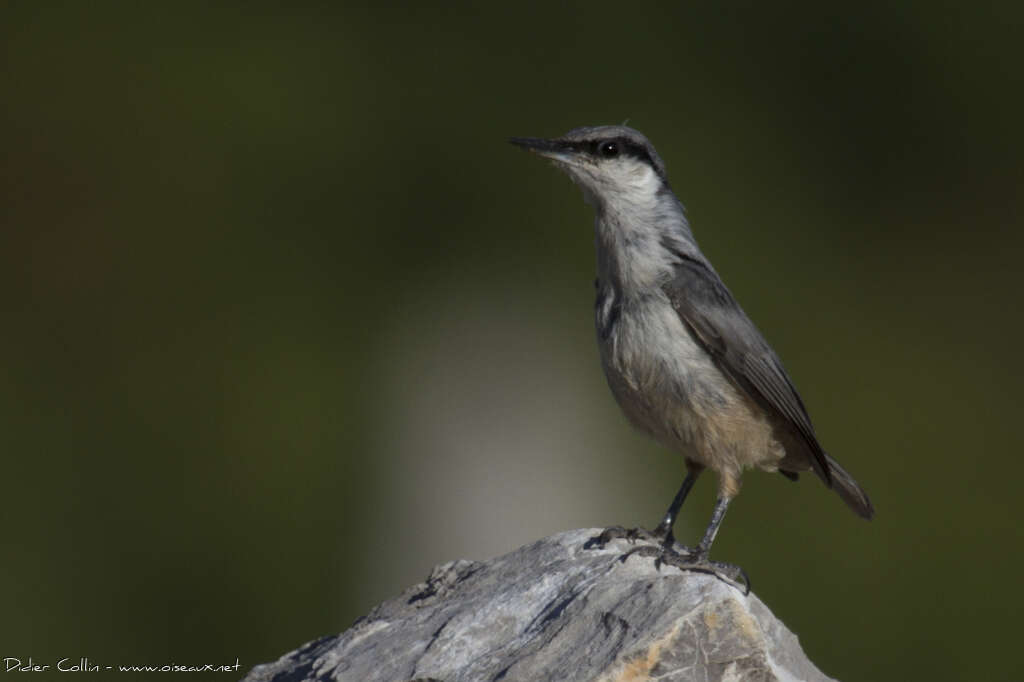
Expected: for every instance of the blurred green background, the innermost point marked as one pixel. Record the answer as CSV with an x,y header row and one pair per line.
x,y
286,321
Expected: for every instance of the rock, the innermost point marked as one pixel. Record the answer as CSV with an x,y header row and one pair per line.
x,y
554,610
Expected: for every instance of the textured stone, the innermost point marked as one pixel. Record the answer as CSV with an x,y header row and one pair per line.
x,y
553,610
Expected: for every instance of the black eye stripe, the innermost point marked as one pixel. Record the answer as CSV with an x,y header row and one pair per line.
x,y
624,147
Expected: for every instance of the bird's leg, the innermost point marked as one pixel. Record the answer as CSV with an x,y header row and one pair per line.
x,y
662,534
704,548
697,560
664,529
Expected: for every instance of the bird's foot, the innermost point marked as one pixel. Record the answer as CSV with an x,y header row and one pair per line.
x,y
657,536
693,560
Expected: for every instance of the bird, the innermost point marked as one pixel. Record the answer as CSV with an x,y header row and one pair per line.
x,y
685,363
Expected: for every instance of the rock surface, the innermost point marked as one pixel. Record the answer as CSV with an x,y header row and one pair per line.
x,y
553,610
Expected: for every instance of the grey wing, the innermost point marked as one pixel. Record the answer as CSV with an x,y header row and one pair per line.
x,y
718,323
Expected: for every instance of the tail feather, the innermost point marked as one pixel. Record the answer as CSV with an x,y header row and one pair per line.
x,y
853,495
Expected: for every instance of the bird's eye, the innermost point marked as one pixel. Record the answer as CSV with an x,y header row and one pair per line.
x,y
608,149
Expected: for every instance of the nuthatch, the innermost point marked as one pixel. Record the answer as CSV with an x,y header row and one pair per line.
x,y
685,363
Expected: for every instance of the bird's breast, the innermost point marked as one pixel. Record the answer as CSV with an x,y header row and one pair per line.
x,y
650,357
669,387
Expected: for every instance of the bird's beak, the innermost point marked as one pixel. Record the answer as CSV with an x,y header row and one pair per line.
x,y
556,150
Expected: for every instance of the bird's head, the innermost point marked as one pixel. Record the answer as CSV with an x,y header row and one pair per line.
x,y
613,165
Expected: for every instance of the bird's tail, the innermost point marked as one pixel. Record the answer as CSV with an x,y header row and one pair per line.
x,y
853,495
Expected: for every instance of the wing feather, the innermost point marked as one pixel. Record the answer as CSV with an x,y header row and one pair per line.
x,y
708,309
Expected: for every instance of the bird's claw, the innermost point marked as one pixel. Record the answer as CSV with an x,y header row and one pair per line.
x,y
678,556
633,535
665,551
618,533
694,561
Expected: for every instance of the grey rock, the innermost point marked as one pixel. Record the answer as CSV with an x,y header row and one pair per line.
x,y
554,610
